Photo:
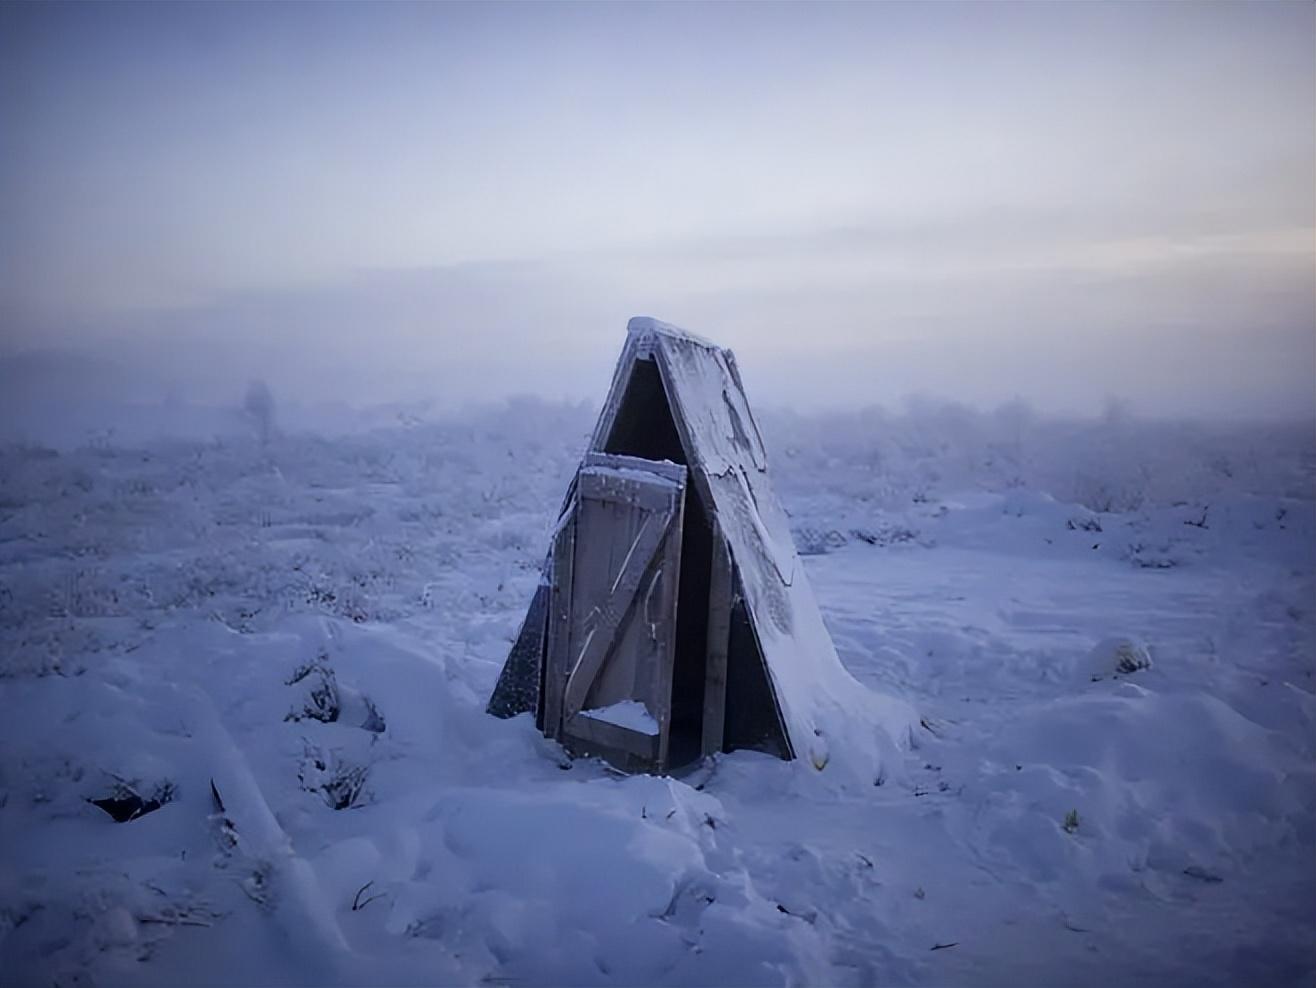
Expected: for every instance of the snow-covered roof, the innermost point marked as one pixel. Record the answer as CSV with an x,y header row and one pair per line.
x,y
824,709
645,325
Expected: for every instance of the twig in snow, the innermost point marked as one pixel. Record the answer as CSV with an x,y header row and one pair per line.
x,y
194,914
357,904
944,946
173,921
809,917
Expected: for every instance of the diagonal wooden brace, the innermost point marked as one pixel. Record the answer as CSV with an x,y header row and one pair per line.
x,y
605,619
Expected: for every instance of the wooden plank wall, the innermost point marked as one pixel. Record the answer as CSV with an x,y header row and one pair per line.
x,y
559,626
721,585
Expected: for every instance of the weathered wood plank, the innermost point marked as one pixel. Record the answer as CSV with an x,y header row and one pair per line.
x,y
559,625
518,686
618,461
697,471
630,488
719,635
605,618
599,559
606,735
670,560
761,453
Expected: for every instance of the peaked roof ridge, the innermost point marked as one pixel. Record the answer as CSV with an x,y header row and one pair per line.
x,y
641,325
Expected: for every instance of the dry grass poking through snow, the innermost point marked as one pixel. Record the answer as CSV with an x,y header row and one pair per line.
x,y
294,641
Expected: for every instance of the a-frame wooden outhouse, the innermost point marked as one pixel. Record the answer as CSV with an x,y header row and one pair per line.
x,y
674,619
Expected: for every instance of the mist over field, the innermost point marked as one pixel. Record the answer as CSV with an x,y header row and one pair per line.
x,y
446,203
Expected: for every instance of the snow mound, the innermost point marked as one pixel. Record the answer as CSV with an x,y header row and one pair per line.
x,y
1158,783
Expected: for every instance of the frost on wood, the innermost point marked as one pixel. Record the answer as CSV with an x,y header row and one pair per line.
x,y
518,684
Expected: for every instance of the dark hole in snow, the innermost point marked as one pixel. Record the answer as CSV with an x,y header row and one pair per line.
x,y
126,804
125,808
374,722
809,916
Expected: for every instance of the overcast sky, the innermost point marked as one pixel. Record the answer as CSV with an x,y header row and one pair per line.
x,y
1060,201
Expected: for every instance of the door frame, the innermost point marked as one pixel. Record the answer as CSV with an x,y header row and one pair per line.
x,y
658,488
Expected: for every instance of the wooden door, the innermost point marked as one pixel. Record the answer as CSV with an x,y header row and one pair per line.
x,y
612,636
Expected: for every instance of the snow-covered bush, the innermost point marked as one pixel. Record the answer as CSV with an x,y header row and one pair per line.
x,y
319,687
1117,463
341,783
1117,656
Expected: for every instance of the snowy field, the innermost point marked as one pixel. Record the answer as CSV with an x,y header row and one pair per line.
x,y
287,648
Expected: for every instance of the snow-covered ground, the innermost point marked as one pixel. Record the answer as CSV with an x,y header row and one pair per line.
x,y
289,648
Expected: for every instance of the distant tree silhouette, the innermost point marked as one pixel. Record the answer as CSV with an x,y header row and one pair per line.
x,y
259,406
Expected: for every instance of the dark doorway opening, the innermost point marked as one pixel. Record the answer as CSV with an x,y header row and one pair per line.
x,y
644,427
752,718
